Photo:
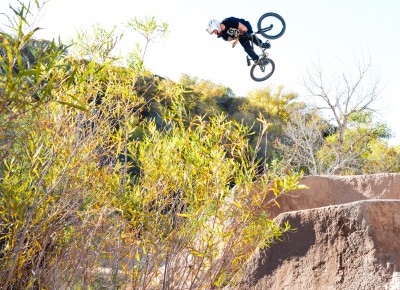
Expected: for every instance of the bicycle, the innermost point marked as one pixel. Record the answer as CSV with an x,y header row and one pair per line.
x,y
271,26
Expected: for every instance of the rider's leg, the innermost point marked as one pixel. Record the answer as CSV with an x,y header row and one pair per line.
x,y
256,41
245,42
259,43
249,49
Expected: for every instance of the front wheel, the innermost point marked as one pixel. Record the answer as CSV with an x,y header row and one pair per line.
x,y
261,72
271,25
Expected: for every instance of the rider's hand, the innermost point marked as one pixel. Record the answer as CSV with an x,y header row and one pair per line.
x,y
235,42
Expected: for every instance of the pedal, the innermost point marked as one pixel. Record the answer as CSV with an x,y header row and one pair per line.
x,y
248,60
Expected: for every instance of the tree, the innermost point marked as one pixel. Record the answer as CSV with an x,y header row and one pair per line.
x,y
304,138
150,29
96,45
272,106
205,97
344,95
337,145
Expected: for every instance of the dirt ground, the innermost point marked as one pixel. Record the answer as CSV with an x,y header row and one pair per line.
x,y
347,237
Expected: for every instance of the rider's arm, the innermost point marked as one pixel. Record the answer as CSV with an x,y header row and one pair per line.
x,y
242,28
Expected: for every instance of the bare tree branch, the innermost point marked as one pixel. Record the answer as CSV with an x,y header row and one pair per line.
x,y
345,94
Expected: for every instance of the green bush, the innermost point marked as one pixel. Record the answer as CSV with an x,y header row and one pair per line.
x,y
85,203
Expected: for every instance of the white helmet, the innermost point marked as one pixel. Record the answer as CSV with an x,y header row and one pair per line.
x,y
214,24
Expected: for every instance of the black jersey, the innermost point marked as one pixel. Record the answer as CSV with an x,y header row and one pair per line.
x,y
231,27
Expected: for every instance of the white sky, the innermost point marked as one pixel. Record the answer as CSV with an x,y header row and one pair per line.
x,y
324,30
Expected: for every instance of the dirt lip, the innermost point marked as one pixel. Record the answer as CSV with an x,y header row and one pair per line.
x,y
347,237
333,190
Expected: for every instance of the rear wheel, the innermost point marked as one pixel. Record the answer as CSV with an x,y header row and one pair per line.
x,y
261,72
271,25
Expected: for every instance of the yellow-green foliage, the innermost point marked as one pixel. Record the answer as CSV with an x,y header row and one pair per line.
x,y
363,147
201,95
190,218
84,204
274,103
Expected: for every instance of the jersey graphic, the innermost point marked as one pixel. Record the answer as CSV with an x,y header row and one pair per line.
x,y
234,32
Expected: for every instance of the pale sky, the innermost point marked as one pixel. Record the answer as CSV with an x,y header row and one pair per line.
x,y
338,31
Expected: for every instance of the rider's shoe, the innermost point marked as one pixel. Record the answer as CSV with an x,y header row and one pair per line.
x,y
261,61
266,44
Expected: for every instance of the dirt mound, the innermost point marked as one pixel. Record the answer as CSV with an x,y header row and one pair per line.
x,y
347,237
333,190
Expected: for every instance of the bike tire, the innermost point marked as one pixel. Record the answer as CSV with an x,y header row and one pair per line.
x,y
258,75
271,18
